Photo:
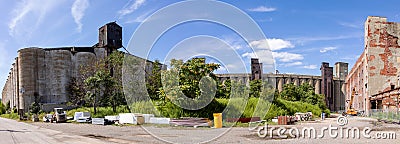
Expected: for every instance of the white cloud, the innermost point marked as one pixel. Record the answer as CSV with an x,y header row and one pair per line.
x,y
351,25
326,49
130,7
274,44
28,15
293,64
78,11
249,55
310,67
303,40
287,57
262,9
4,63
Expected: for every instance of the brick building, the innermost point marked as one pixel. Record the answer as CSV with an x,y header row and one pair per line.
x,y
376,70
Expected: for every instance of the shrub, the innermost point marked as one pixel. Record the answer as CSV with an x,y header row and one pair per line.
x,y
101,111
274,111
293,107
2,108
173,111
10,116
145,107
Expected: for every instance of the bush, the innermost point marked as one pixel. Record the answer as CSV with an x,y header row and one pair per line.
x,y
101,111
10,116
2,108
173,111
293,107
275,111
145,107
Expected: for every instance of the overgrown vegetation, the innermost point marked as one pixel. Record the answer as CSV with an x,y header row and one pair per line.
x,y
99,86
99,83
2,108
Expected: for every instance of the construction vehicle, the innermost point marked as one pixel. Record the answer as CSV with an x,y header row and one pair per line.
x,y
350,109
59,115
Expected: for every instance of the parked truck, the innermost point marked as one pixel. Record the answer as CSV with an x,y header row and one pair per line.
x,y
59,115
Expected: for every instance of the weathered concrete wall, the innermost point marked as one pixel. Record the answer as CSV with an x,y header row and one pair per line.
x,y
337,97
45,73
278,79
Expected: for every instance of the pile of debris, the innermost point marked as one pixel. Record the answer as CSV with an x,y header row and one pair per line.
x,y
191,122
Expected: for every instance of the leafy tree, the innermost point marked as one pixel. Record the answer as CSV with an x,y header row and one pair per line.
x,y
153,82
303,93
115,61
190,74
187,78
99,84
2,108
8,106
255,88
35,107
224,89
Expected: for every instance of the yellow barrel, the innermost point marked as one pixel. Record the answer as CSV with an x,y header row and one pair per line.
x,y
217,120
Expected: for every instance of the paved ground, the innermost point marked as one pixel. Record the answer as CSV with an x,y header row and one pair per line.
x,y
13,132
87,133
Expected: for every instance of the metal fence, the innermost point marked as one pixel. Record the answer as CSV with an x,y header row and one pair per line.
x,y
388,114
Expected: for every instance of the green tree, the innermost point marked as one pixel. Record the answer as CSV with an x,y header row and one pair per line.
x,y
255,88
100,85
153,82
2,108
187,78
224,89
8,106
190,74
303,93
116,96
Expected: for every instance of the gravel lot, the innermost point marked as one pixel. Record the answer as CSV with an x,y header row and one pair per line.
x,y
165,133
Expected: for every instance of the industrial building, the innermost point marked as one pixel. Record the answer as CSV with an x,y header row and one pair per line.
x,y
374,76
330,83
46,73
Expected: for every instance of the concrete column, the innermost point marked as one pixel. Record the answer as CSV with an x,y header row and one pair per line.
x,y
280,84
296,81
311,82
318,86
302,81
288,80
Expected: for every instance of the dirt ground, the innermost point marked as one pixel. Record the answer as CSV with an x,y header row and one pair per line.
x,y
171,134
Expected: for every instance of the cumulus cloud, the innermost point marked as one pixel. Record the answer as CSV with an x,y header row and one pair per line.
x,y
262,9
78,11
131,7
326,49
310,67
274,44
293,64
287,57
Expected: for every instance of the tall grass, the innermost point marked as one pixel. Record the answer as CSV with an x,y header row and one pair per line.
x,y
14,116
101,111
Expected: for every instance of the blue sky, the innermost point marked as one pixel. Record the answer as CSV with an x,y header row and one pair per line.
x,y
301,34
